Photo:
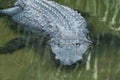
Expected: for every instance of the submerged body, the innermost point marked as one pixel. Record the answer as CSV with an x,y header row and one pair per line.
x,y
65,27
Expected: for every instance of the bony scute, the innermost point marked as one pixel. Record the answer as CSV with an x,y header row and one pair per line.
x,y
49,12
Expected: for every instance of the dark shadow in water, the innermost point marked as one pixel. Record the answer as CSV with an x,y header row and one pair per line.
x,y
12,46
2,15
21,42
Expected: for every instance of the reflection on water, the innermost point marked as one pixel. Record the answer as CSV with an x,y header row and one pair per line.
x,y
36,62
115,6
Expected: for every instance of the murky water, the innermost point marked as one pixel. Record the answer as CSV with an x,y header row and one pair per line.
x,y
36,63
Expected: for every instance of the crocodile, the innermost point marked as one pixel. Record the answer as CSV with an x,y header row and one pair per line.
x,y
65,27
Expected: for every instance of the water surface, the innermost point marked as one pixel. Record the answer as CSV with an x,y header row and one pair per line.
x,y
36,63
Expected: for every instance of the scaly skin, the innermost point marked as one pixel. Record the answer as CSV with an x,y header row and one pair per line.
x,y
66,28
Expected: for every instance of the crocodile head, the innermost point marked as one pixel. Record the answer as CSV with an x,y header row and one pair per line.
x,y
69,51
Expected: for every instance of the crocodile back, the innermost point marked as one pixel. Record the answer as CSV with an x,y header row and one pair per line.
x,y
66,27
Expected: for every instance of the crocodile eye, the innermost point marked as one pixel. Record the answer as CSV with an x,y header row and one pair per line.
x,y
58,44
77,44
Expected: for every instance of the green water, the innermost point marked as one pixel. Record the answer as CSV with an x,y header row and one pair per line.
x,y
102,62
